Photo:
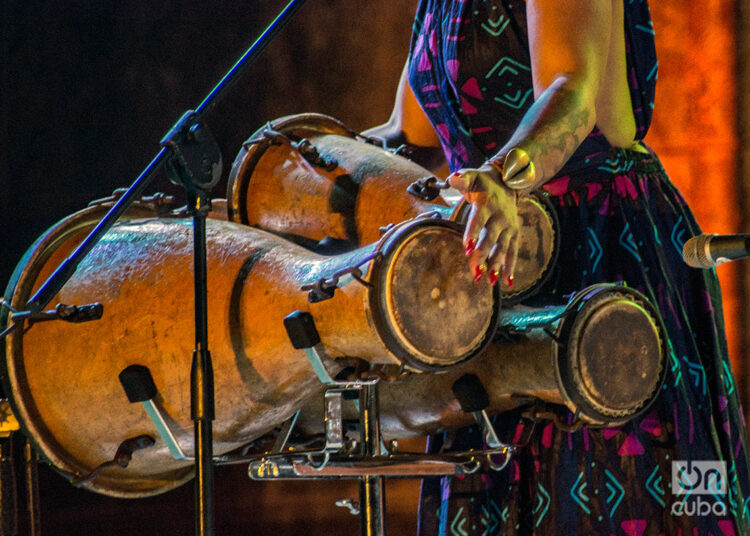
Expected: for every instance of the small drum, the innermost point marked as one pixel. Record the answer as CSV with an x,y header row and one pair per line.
x,y
603,356
316,182
403,300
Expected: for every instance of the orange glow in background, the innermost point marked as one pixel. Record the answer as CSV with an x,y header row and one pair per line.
x,y
694,130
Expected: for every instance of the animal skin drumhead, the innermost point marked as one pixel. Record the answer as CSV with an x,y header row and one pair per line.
x,y
436,308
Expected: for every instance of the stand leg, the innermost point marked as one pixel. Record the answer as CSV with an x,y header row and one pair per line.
x,y
202,384
371,488
32,489
372,506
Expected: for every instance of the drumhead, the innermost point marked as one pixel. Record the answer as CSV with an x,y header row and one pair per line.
x,y
615,358
432,314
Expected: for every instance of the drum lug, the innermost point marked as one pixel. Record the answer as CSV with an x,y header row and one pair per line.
x,y
312,155
473,398
349,504
159,202
427,188
324,288
308,151
139,386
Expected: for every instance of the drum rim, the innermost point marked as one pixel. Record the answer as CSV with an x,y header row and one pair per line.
x,y
244,163
377,310
541,200
584,303
22,404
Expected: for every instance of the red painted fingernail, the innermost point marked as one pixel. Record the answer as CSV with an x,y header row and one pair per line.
x,y
493,277
478,272
510,281
470,247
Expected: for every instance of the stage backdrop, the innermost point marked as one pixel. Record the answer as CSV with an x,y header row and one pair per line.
x,y
88,88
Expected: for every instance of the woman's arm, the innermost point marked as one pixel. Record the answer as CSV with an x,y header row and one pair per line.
x,y
569,41
569,44
409,124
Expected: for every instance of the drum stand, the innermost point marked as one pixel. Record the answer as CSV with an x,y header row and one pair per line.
x,y
369,460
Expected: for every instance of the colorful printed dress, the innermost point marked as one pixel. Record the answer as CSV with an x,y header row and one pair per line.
x,y
621,220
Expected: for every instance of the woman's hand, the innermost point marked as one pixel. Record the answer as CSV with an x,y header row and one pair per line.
x,y
491,236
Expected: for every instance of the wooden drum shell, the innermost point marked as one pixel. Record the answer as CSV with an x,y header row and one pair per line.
x,y
62,378
272,186
546,345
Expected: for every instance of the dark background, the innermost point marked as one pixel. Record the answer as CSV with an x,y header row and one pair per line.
x,y
88,89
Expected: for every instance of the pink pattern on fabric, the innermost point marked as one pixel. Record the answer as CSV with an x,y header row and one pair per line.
x,y
609,433
424,62
460,150
558,186
604,209
727,528
490,145
625,187
516,472
433,43
418,45
471,88
651,424
452,66
576,197
547,435
727,429
722,403
467,107
634,527
742,415
631,447
592,188
519,433
443,131
643,185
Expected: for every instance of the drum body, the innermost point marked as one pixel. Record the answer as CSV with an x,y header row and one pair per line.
x,y
603,356
62,378
309,178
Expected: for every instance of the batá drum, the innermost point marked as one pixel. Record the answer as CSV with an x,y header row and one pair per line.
x,y
313,180
403,300
602,356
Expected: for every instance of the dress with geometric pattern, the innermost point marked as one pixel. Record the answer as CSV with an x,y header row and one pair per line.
x,y
621,219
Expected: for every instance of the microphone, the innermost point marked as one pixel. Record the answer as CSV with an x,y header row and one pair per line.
x,y
709,250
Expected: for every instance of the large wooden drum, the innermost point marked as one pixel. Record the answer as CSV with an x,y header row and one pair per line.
x,y
410,302
313,180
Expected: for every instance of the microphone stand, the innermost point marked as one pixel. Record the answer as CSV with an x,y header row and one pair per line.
x,y
193,160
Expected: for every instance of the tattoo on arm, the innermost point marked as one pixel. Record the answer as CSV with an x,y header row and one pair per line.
x,y
553,128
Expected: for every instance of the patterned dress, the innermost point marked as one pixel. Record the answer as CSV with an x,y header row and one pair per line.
x,y
621,220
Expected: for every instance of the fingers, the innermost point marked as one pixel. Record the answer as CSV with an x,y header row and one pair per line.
x,y
495,251
510,261
477,219
490,236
